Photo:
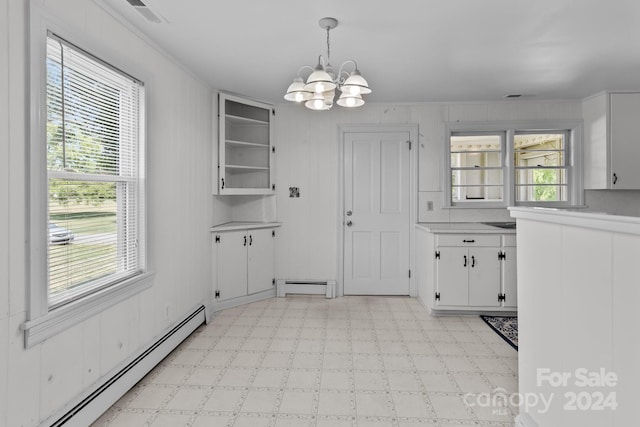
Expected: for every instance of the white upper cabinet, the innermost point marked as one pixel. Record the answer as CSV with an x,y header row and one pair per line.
x,y
246,150
612,141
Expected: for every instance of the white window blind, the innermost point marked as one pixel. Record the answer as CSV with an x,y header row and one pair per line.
x,y
94,132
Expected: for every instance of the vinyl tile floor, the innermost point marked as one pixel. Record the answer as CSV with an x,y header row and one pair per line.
x,y
307,361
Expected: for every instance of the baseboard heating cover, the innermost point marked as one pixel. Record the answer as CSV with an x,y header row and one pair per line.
x,y
309,287
98,400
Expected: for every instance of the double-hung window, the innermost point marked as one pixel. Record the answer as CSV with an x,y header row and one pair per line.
x,y
477,166
519,163
541,168
94,161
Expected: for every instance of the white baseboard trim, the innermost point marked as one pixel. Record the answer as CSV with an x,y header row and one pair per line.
x,y
223,305
87,408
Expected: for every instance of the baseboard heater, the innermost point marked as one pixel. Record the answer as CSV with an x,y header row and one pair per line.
x,y
94,404
309,287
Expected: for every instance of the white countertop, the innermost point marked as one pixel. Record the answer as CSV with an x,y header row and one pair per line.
x,y
243,225
462,227
593,220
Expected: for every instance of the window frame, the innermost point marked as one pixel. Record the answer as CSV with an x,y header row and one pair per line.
x,y
44,321
566,150
502,168
572,150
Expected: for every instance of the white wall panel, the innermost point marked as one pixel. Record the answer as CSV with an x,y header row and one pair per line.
x,y
91,355
180,210
23,378
61,374
4,164
4,370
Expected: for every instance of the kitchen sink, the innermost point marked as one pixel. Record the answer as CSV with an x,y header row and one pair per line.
x,y
505,225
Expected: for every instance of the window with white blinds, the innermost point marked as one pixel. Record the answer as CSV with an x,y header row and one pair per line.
x,y
94,171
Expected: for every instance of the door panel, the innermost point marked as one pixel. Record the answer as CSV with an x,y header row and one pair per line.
x,y
377,218
362,246
391,176
390,250
260,265
452,276
510,278
232,265
484,277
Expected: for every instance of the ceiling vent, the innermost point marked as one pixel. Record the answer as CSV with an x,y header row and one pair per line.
x,y
145,11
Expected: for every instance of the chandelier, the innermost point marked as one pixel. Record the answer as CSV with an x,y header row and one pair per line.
x,y
319,90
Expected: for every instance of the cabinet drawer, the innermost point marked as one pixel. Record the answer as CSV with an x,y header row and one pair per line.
x,y
468,240
509,240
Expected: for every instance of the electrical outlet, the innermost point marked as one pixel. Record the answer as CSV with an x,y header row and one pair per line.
x,y
429,205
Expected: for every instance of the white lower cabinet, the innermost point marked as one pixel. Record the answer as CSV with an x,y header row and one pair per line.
x,y
509,277
243,263
467,272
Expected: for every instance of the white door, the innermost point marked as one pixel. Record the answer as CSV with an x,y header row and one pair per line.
x,y
232,265
484,277
510,278
260,265
376,216
452,276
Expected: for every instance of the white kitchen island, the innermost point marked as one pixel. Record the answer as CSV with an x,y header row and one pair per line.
x,y
578,317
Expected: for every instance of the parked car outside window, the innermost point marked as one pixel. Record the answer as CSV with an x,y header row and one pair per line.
x,y
59,235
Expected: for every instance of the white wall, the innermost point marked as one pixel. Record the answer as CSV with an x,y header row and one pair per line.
x,y
617,202
35,383
308,153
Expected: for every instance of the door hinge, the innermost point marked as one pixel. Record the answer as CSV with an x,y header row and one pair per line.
x,y
409,274
437,254
410,143
502,297
502,255
273,233
437,296
217,294
217,238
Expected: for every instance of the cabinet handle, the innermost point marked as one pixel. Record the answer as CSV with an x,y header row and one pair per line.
x,y
245,241
615,179
468,241
222,183
465,261
250,240
473,261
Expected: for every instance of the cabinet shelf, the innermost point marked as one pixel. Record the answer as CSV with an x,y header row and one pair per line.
x,y
246,144
244,121
246,168
245,154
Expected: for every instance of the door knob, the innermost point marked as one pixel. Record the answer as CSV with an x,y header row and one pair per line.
x,y
349,213
349,223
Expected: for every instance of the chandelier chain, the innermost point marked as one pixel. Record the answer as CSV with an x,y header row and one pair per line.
x,y
328,47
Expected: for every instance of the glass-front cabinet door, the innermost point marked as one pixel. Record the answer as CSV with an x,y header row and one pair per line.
x,y
246,149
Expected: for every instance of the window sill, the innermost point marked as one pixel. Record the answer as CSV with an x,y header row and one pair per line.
x,y
62,318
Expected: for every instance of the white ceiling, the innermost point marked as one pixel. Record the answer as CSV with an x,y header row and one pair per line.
x,y
408,50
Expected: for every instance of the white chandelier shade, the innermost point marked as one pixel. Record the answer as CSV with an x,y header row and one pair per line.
x,y
318,92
